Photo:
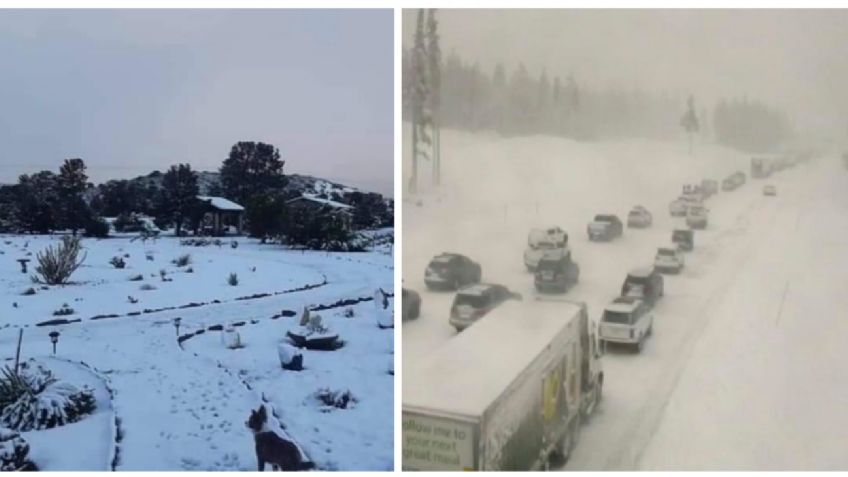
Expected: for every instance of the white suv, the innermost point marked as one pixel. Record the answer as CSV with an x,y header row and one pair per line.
x,y
669,259
626,320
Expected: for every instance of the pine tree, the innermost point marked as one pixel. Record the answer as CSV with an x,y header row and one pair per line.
x,y
180,193
250,169
71,184
435,75
689,122
419,100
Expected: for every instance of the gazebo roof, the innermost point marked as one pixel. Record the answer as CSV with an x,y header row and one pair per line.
x,y
221,203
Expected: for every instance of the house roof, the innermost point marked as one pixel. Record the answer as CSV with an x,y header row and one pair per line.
x,y
221,203
318,200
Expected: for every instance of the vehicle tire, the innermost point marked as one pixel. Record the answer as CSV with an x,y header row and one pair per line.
x,y
416,312
640,344
650,330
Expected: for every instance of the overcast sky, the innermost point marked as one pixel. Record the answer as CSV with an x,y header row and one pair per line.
x,y
132,91
794,59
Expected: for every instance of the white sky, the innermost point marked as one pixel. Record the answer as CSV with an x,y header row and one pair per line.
x,y
794,59
130,91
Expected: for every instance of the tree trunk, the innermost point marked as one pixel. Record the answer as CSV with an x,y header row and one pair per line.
x,y
413,178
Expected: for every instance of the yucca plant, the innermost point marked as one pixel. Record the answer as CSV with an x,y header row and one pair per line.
x,y
57,264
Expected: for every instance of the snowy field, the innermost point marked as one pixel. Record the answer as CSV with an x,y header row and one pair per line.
x,y
744,369
183,406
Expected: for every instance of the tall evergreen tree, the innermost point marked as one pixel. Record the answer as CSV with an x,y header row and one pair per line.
x,y
250,169
179,193
419,100
35,210
71,183
689,122
434,64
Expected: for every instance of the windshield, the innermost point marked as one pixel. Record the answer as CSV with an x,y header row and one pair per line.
x,y
617,317
549,265
439,265
666,252
475,301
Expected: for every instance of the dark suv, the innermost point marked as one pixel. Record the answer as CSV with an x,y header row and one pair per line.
x,y
556,272
411,303
605,227
451,271
644,283
474,301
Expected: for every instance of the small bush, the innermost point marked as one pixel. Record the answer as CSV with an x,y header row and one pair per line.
x,y
149,257
118,262
128,222
64,310
137,278
34,399
182,260
348,313
57,264
234,244
14,452
29,291
189,270
132,299
147,287
96,227
233,280
164,276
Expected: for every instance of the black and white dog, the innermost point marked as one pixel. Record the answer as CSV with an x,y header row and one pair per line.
x,y
282,454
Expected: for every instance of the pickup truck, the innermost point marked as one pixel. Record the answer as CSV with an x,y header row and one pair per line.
x,y
509,393
605,227
540,241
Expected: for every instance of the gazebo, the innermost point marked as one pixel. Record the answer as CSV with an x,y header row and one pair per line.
x,y
221,216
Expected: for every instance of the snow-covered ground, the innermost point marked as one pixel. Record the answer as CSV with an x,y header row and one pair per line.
x,y
743,370
184,407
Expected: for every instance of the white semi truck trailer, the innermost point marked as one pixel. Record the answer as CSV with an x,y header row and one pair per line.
x,y
509,393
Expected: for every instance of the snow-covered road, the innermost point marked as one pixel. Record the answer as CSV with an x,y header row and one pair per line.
x,y
738,374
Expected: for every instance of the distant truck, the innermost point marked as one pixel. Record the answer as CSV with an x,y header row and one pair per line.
x,y
760,168
509,393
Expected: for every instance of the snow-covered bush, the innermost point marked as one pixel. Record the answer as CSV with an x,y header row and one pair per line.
x,y
348,313
34,399
182,260
29,291
56,264
137,278
64,310
335,399
118,262
233,280
14,450
147,287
